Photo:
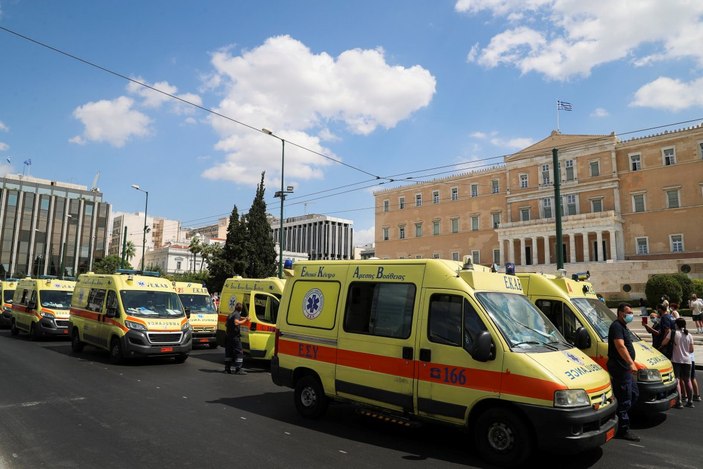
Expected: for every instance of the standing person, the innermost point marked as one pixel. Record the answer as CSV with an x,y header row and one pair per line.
x,y
643,307
674,309
621,365
681,358
696,305
661,333
233,341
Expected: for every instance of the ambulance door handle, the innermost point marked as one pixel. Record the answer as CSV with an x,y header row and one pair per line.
x,y
407,353
425,355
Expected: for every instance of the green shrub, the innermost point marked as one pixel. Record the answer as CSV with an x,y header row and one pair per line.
x,y
659,285
686,288
698,287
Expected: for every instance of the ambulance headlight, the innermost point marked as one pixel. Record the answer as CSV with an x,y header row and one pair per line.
x,y
571,398
47,315
649,375
135,326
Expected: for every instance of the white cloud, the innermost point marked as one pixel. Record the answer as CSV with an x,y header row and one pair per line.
x,y
4,146
283,86
562,39
600,112
111,121
669,94
364,236
495,139
153,99
3,127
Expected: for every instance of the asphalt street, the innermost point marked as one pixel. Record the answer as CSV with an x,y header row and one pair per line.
x,y
59,409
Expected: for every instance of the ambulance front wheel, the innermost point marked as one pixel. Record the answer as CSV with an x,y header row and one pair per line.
x,y
502,438
181,358
76,344
310,399
116,356
13,328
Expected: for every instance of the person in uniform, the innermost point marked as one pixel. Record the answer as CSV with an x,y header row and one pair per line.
x,y
233,341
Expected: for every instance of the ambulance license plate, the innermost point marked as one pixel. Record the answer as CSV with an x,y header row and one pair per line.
x,y
610,434
202,341
166,349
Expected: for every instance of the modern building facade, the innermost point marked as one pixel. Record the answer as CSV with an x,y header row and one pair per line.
x,y
49,227
621,200
320,236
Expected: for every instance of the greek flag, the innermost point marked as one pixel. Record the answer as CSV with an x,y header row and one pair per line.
x,y
28,162
563,106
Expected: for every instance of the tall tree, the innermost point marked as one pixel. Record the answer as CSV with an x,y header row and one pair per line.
x,y
231,259
195,247
262,251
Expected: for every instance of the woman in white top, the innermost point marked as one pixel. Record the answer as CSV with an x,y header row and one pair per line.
x,y
681,358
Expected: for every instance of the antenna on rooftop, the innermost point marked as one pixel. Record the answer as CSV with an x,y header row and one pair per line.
x,y
94,187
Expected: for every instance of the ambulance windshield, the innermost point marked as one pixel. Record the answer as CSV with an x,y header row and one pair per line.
x,y
198,303
598,315
521,323
57,299
151,304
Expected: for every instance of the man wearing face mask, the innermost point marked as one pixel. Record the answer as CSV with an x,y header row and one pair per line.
x,y
621,365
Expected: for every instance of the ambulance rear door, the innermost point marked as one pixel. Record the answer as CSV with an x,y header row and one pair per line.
x,y
449,380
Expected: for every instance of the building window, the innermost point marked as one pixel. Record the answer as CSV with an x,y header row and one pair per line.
x,y
547,208
455,225
496,256
523,181
638,203
596,205
435,227
455,256
435,197
474,190
570,176
476,257
386,237
495,218
672,198
178,265
700,150
545,174
435,255
642,246
676,242
401,203
495,186
474,223
386,205
570,205
401,232
455,193
525,214
595,168
418,200
636,162
418,230
669,156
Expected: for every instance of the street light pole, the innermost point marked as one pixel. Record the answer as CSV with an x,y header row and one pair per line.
x,y
282,194
146,226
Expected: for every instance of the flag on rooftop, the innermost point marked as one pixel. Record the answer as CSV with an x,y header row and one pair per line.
x,y
28,162
563,106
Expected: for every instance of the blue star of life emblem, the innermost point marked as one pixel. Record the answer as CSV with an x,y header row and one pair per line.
x,y
313,303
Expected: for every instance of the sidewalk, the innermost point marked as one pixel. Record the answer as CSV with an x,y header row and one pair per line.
x,y
637,327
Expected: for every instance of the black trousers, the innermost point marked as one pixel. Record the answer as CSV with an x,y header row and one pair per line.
x,y
234,351
626,392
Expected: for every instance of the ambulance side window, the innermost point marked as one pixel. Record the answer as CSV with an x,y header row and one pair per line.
x,y
562,317
95,300
473,326
266,308
445,319
382,309
23,300
112,305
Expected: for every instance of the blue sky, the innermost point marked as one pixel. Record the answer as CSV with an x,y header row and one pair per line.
x,y
363,92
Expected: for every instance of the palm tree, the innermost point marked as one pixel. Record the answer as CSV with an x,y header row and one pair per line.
x,y
195,247
129,251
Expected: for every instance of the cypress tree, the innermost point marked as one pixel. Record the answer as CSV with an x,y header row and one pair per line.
x,y
262,252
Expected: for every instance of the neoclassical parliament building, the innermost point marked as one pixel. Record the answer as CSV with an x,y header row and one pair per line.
x,y
630,208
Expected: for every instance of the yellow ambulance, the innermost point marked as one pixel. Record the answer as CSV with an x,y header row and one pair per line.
x,y
130,314
260,298
574,308
202,313
7,291
432,339
40,307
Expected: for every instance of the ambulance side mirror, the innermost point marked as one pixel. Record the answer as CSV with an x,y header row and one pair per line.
x,y
32,305
112,312
583,340
484,349
188,312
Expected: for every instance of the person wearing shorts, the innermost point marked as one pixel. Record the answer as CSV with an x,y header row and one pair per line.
x,y
696,305
682,358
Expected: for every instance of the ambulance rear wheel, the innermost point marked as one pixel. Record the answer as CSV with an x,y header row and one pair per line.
x,y
116,356
502,438
76,344
13,328
310,399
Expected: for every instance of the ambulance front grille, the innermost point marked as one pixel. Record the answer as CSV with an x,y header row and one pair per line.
x,y
165,337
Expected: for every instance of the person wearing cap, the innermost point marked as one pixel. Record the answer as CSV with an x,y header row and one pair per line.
x,y
621,365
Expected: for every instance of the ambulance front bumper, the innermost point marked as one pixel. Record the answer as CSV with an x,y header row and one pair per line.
x,y
572,430
148,344
53,327
655,397
6,318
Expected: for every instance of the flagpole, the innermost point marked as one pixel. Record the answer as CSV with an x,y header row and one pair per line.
x,y
557,116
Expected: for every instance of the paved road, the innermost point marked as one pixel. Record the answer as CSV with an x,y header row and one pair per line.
x,y
78,411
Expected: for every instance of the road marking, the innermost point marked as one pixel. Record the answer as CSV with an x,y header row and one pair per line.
x,y
46,402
